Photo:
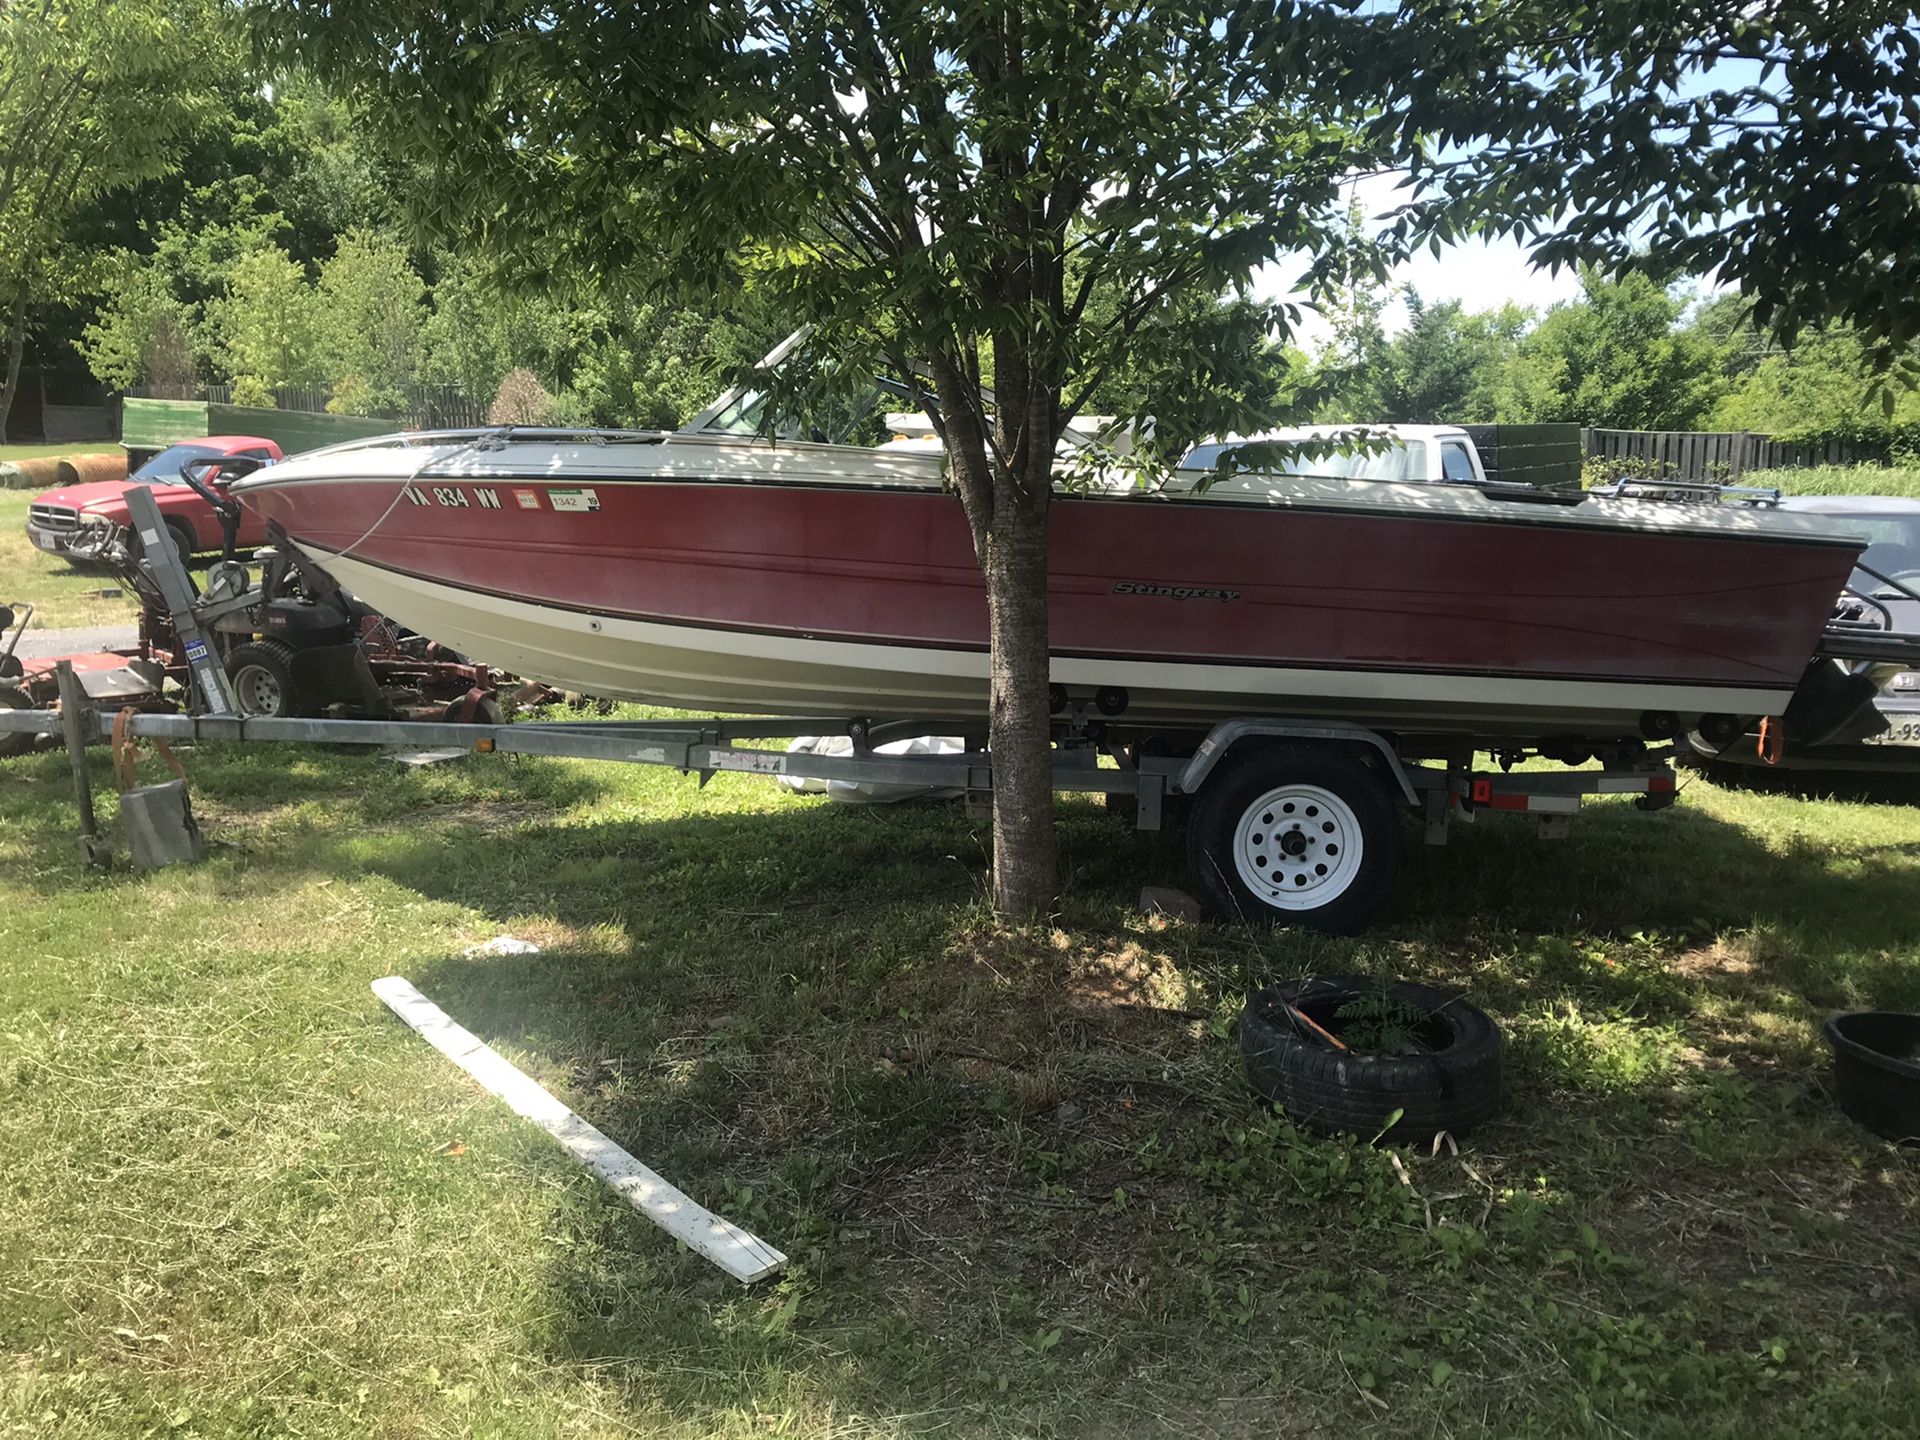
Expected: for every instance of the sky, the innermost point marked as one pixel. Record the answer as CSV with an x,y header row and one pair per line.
x,y
1481,274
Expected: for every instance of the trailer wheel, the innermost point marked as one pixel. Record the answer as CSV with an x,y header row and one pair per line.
x,y
1294,835
14,742
262,675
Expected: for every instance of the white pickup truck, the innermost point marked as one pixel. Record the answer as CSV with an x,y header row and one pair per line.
x,y
1441,454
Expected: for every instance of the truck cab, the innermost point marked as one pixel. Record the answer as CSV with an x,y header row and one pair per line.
x,y
56,519
1431,454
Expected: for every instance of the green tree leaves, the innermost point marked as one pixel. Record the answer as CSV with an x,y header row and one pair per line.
x,y
371,308
268,325
95,96
1616,358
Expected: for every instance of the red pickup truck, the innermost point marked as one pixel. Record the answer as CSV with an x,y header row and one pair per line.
x,y
55,518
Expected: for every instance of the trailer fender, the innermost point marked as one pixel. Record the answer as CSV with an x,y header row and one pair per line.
x,y
1229,733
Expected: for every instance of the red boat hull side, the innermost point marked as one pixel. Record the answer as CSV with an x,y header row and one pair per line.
x,y
1139,579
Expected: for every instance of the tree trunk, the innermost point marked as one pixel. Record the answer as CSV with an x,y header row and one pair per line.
x,y
1020,724
1005,484
16,343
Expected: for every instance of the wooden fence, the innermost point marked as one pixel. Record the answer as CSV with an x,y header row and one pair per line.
x,y
1711,454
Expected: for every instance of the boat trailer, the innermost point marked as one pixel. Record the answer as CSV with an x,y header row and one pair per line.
x,y
1322,856
1291,820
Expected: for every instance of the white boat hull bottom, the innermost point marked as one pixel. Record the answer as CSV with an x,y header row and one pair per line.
x,y
746,672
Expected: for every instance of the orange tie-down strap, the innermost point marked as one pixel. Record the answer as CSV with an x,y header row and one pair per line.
x,y
1772,741
126,752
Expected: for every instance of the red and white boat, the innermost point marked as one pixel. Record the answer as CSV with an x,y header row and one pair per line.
x,y
724,572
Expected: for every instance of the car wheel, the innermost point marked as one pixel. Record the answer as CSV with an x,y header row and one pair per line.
x,y
181,537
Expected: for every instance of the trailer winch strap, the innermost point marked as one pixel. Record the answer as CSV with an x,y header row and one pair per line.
x,y
1771,744
126,753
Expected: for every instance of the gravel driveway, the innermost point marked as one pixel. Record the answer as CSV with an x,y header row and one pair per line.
x,y
38,644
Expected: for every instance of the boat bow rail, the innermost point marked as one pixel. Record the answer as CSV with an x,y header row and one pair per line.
x,y
493,437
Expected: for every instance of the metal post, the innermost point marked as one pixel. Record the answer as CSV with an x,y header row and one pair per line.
x,y
163,563
76,723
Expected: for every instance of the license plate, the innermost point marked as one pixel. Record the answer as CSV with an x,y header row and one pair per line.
x,y
1900,732
45,541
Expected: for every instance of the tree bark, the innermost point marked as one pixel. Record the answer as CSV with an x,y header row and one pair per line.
x,y
1006,498
1019,721
16,344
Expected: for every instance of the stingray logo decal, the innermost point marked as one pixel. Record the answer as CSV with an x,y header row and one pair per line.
x,y
1174,592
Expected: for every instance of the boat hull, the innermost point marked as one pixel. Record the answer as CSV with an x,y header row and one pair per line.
x,y
1422,615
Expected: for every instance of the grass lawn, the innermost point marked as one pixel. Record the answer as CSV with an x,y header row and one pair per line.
x,y
1025,1189
47,452
62,595
1840,480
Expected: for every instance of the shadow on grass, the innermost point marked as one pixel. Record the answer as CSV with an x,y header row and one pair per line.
x,y
803,1017
1015,1184
1858,787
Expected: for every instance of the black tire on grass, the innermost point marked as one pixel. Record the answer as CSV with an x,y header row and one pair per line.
x,y
15,742
1454,1088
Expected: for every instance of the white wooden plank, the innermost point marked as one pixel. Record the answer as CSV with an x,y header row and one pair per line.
x,y
743,1256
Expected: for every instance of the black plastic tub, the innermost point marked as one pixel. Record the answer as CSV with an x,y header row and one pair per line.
x,y
1876,1070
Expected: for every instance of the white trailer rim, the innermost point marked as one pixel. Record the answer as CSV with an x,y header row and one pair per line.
x,y
1298,847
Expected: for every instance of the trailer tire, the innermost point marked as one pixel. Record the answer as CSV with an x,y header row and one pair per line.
x,y
1454,1088
262,675
1315,819
486,711
15,742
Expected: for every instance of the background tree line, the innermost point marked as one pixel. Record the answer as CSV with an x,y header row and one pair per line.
x,y
1624,354
181,219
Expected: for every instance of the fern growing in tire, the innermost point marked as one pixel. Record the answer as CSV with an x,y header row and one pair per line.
x,y
1412,1049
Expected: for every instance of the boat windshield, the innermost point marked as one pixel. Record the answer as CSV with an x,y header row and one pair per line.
x,y
740,415
1399,460
1893,548
840,408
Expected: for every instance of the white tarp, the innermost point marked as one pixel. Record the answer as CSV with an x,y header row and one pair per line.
x,y
860,792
